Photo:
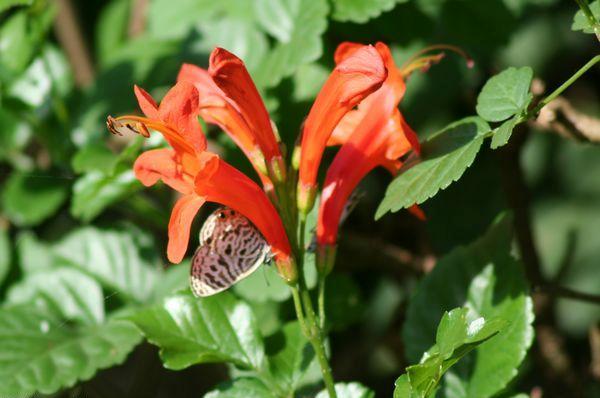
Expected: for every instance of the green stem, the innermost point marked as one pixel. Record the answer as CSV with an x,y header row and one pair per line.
x,y
565,85
321,301
299,311
316,339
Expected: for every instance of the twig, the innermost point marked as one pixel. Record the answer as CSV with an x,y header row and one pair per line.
x,y
137,19
565,292
71,39
595,351
561,117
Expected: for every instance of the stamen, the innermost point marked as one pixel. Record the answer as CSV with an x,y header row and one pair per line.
x,y
420,60
118,127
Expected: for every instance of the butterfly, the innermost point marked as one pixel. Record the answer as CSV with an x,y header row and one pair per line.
x,y
231,248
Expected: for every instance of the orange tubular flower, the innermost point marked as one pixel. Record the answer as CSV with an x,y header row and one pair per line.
x,y
200,176
229,99
355,77
373,135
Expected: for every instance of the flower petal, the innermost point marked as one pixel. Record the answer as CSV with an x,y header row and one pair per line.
x,y
164,164
357,76
183,214
146,102
230,74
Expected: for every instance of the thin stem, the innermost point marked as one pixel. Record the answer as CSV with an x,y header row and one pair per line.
x,y
299,311
321,301
565,292
316,339
565,85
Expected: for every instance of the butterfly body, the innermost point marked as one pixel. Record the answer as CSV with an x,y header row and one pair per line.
x,y
231,248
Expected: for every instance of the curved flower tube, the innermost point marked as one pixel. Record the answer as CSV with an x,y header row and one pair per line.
x,y
200,176
373,135
359,74
229,99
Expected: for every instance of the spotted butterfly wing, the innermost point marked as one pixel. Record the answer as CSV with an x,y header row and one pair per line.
x,y
231,248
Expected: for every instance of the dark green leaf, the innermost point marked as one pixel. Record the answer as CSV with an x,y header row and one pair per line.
x,y
241,388
445,157
5,254
111,29
29,199
40,353
191,330
581,22
6,4
124,260
290,355
361,11
505,94
349,390
96,190
301,22
502,134
67,292
490,282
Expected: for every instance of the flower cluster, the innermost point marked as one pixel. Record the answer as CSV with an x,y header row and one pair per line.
x,y
357,109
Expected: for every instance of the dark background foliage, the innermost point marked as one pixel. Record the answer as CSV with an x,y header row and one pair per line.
x,y
66,183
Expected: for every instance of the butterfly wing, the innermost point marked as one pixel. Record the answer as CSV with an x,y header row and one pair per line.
x,y
231,249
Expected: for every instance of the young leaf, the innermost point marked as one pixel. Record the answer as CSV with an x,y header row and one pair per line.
x,y
244,387
29,199
40,353
360,11
289,355
64,291
505,94
581,22
189,330
307,22
502,134
455,338
349,390
486,279
445,157
124,260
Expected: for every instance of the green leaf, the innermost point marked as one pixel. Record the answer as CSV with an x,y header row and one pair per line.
x,y
581,22
93,157
502,134
349,390
122,259
505,94
40,353
95,191
445,157
29,199
6,4
33,254
301,22
15,134
67,292
308,80
241,388
290,355
487,280
360,11
403,388
5,254
111,29
190,330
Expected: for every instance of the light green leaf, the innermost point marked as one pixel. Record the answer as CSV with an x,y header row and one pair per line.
x,y
403,388
360,11
580,21
96,190
290,355
29,199
191,330
241,388
33,255
502,134
15,134
111,29
93,157
6,4
5,254
505,94
349,390
124,260
167,21
308,80
263,285
40,353
70,293
445,157
308,19
487,280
